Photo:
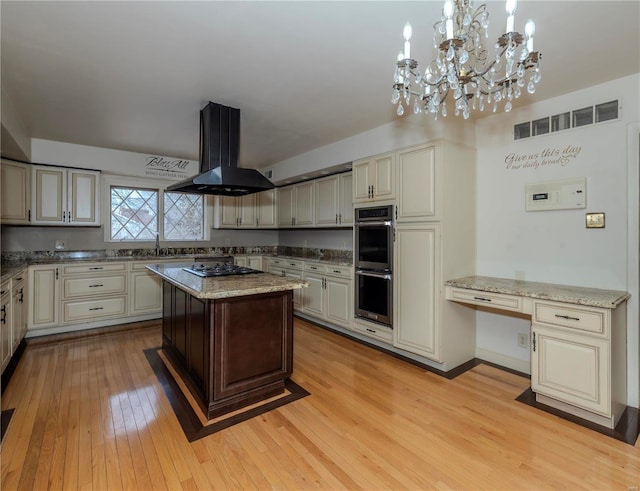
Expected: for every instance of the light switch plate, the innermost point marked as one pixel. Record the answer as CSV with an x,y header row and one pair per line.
x,y
595,220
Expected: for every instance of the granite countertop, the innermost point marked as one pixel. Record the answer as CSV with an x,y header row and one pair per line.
x,y
11,270
593,297
224,286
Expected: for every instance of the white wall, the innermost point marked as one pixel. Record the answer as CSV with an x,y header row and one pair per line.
x,y
555,246
402,132
15,141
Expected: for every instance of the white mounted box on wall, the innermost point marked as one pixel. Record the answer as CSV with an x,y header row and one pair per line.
x,y
566,194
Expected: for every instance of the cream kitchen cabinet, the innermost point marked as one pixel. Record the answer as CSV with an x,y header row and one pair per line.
x,y
6,341
15,187
291,268
333,206
18,309
416,184
373,178
238,211
93,291
295,205
145,288
578,360
267,210
329,295
44,296
62,196
253,262
417,288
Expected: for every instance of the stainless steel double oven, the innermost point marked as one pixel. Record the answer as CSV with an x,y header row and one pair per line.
x,y
373,257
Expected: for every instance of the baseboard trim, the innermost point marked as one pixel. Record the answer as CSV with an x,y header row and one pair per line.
x,y
522,366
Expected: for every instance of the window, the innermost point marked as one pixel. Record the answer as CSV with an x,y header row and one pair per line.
x,y
140,213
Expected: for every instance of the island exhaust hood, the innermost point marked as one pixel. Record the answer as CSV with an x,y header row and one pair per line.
x,y
219,147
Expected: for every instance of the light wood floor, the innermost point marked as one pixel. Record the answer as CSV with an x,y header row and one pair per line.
x,y
90,415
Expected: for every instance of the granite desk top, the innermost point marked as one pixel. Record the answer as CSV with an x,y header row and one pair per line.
x,y
593,297
224,286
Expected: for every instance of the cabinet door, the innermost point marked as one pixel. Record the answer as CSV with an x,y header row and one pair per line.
x,y
339,298
83,200
416,289
43,296
255,262
146,291
416,184
345,200
229,212
361,180
19,313
15,191
48,195
303,205
313,295
247,211
297,294
326,201
383,177
267,213
572,368
6,342
285,206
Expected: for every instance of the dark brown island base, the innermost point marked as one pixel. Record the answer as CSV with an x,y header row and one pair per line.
x,y
229,338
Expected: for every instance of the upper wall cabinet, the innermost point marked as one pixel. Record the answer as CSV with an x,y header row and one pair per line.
x,y
15,179
333,204
373,178
62,196
416,184
295,205
249,211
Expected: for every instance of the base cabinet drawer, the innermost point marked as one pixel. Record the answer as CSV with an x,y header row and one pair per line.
x,y
590,320
81,310
102,285
373,330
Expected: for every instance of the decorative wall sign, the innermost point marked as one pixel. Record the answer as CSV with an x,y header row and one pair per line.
x,y
156,166
544,158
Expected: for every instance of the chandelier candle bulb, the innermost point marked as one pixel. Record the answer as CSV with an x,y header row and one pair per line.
x,y
448,14
407,37
511,11
529,30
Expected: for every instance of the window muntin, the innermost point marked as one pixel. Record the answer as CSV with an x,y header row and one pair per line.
x,y
183,216
134,214
140,213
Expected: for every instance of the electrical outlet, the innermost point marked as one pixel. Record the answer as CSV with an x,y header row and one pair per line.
x,y
61,245
523,340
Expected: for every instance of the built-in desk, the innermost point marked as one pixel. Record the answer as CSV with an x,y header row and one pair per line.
x,y
578,340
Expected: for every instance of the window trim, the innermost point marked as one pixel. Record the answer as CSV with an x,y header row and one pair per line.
x,y
160,186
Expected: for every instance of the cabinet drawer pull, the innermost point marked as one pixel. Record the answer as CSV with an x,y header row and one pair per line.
x,y
2,292
97,308
95,286
18,279
337,271
482,299
370,330
96,267
568,317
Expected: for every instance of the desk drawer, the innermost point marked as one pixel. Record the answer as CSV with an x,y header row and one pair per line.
x,y
93,268
591,320
475,297
94,309
97,285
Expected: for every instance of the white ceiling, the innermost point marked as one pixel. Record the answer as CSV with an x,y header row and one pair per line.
x,y
134,75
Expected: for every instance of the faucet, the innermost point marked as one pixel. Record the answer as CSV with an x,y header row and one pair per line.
x,y
157,244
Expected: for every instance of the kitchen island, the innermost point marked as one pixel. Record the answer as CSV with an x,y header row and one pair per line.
x,y
228,338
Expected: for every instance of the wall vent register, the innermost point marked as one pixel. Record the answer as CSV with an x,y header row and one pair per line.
x,y
598,113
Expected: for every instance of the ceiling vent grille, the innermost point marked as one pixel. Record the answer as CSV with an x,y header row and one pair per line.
x,y
598,113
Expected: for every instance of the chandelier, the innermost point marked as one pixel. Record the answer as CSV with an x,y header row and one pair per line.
x,y
464,67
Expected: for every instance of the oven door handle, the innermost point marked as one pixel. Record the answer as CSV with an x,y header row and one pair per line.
x,y
383,276
386,223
